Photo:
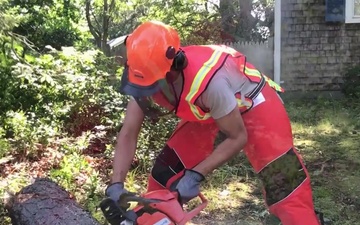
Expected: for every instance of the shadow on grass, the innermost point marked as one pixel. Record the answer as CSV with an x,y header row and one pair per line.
x,y
327,135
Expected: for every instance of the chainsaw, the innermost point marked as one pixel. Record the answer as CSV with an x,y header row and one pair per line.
x,y
159,207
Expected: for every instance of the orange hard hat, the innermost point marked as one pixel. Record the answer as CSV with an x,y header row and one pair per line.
x,y
151,48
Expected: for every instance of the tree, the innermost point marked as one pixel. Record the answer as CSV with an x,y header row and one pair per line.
x,y
48,22
8,39
115,18
99,17
246,20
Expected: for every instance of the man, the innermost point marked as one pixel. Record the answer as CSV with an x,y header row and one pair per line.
x,y
216,93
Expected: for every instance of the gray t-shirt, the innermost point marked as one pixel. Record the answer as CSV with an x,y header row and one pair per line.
x,y
219,97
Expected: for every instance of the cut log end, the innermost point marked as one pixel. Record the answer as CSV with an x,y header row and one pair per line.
x,y
45,202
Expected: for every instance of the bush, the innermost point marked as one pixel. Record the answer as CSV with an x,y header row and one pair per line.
x,y
56,95
351,85
26,133
65,93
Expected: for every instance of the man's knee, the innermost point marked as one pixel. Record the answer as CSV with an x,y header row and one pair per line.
x,y
282,176
167,165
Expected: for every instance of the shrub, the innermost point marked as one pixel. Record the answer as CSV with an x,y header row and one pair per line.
x,y
351,85
65,93
57,94
27,133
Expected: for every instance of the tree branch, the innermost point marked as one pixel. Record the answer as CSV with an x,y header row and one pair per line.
x,y
96,21
13,50
95,33
22,39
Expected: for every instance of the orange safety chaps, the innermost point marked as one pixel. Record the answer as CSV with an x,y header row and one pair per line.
x,y
270,150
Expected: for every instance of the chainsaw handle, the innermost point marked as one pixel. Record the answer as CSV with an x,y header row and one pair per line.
x,y
194,212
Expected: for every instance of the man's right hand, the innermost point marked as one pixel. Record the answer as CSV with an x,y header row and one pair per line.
x,y
115,190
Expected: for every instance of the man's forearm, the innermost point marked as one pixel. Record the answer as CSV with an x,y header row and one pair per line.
x,y
123,158
223,153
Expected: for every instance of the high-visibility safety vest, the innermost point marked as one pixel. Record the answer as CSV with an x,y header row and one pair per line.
x,y
204,62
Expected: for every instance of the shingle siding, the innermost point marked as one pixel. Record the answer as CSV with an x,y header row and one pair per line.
x,y
315,53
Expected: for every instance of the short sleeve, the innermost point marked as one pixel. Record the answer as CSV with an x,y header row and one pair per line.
x,y
218,98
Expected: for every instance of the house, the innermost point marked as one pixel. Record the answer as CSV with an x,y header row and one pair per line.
x,y
317,41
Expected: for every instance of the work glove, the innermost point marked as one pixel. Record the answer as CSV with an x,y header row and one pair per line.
x,y
114,210
188,186
113,191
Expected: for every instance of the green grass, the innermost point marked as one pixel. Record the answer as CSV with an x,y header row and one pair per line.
x,y
327,134
329,138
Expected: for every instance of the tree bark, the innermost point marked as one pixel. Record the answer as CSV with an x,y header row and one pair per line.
x,y
45,202
227,10
93,30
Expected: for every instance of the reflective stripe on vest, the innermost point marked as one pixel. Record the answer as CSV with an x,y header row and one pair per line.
x,y
250,70
243,106
201,74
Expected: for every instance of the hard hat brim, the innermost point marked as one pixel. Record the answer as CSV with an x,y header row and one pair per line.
x,y
135,90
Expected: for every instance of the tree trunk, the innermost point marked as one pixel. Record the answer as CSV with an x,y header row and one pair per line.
x,y
45,202
227,10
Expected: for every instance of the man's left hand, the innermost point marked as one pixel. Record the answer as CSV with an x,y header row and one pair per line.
x,y
188,186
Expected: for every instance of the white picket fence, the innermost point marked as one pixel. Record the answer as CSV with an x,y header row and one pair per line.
x,y
260,54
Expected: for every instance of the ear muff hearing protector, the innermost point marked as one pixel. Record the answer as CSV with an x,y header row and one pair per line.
x,y
179,58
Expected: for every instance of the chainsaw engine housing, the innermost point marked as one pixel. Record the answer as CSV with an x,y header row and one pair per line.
x,y
159,207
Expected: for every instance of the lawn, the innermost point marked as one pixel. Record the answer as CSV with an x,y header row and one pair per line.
x,y
326,132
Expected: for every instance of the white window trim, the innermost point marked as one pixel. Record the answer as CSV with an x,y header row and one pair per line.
x,y
349,12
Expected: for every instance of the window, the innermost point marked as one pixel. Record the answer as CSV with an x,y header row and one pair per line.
x,y
352,12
